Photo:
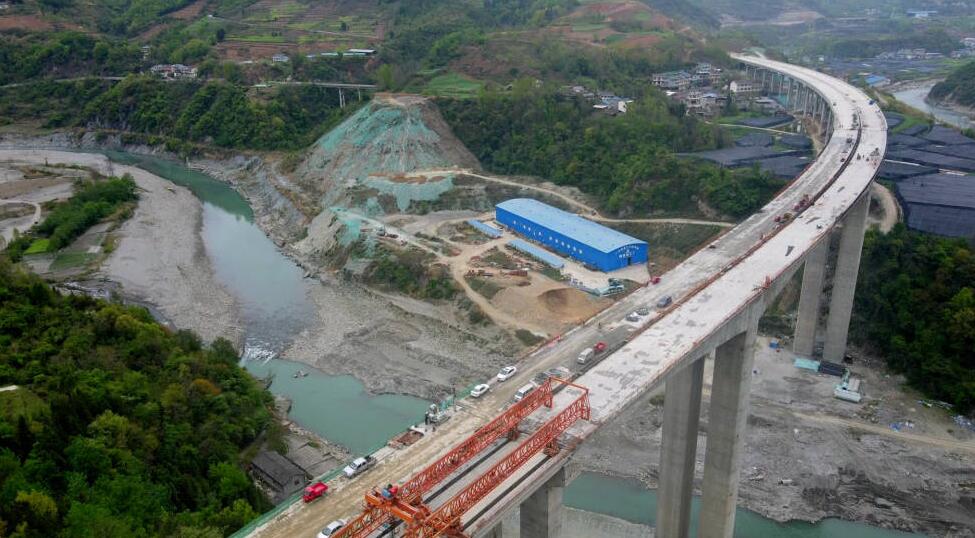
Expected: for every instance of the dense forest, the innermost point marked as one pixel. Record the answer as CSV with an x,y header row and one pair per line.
x,y
63,54
959,87
915,303
118,427
218,113
627,161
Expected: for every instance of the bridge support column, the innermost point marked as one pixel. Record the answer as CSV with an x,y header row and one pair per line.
x,y
727,417
678,451
541,513
845,280
813,271
496,532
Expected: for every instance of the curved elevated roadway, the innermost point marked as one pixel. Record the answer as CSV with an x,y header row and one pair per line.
x,y
719,293
726,296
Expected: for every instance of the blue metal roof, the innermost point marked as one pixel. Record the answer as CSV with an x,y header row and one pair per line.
x,y
487,230
542,255
570,225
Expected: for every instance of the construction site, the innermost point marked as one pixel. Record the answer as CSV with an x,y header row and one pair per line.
x,y
392,188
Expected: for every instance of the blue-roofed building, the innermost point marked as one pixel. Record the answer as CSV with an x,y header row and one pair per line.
x,y
569,234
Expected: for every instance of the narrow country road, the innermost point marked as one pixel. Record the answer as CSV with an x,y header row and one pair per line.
x,y
589,211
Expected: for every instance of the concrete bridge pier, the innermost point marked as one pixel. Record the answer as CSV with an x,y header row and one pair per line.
x,y
845,279
541,513
813,273
678,450
727,418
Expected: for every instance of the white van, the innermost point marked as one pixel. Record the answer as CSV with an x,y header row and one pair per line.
x,y
524,391
585,356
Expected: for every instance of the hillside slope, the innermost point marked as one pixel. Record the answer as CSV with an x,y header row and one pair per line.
x,y
371,163
958,88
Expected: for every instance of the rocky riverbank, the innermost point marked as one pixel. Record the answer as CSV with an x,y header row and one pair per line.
x,y
809,456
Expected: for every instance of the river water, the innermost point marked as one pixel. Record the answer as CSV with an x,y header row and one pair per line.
x,y
274,298
630,500
275,304
915,98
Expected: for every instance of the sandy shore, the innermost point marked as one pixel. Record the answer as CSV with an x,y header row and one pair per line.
x,y
160,258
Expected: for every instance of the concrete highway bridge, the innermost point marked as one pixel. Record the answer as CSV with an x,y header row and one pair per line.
x,y
719,293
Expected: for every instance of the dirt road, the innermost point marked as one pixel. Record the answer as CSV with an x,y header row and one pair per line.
x,y
590,211
889,205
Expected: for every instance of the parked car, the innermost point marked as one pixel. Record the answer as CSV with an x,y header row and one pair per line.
x,y
359,466
585,356
480,390
665,301
633,316
332,528
506,373
314,491
599,347
643,311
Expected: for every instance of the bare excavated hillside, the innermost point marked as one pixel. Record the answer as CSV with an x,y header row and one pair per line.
x,y
375,163
388,139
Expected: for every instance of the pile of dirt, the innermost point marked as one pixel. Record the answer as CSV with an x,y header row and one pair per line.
x,y
565,301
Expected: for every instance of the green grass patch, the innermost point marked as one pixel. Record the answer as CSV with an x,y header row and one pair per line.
x,y
483,286
677,239
453,85
592,27
499,259
259,38
71,260
527,337
39,246
552,273
910,121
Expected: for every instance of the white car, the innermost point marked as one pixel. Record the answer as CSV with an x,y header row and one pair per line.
x,y
480,390
332,528
506,373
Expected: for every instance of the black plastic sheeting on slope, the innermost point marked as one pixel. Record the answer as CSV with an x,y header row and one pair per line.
x,y
739,156
946,136
796,141
896,171
785,167
906,141
964,151
941,220
755,140
926,158
767,121
948,190
893,119
915,130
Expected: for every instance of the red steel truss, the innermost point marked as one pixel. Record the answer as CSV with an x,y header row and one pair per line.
x,y
446,519
409,500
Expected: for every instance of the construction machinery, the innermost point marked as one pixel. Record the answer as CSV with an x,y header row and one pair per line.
x,y
405,502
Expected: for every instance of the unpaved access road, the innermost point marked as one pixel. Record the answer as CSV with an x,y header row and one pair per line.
x,y
589,211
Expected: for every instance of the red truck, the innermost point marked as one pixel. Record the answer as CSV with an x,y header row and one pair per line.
x,y
314,491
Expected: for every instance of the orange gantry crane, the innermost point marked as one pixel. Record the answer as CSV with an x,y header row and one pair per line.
x,y
406,502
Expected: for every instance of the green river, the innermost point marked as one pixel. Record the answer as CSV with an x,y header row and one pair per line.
x,y
274,297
